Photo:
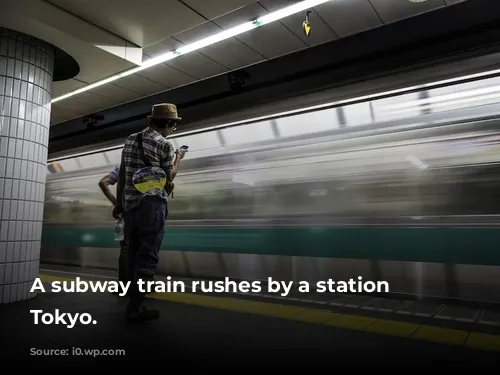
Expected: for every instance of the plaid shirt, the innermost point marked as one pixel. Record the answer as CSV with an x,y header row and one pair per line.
x,y
160,153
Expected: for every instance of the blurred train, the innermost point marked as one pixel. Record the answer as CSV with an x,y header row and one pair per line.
x,y
404,189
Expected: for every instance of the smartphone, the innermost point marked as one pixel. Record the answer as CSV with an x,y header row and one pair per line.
x,y
183,148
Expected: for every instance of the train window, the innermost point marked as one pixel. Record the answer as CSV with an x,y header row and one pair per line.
x,y
258,132
307,123
465,95
358,114
201,141
92,161
69,165
396,107
114,156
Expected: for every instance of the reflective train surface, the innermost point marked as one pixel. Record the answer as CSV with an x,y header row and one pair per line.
x,y
404,189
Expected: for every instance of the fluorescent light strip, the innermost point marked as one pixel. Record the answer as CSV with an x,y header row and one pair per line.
x,y
213,39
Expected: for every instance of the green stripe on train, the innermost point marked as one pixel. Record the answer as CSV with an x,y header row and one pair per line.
x,y
442,245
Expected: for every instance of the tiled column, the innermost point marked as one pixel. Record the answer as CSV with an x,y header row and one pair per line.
x,y
26,68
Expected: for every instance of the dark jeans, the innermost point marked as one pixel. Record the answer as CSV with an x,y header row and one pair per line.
x,y
144,230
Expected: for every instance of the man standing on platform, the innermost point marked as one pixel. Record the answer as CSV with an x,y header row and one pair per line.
x,y
148,167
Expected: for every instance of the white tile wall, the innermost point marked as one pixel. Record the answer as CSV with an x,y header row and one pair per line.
x,y
26,66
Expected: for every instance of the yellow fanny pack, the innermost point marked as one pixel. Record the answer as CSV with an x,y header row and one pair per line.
x,y
150,180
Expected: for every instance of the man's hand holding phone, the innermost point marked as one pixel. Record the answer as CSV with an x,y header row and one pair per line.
x,y
182,151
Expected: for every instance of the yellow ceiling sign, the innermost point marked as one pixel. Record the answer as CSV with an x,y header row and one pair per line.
x,y
306,26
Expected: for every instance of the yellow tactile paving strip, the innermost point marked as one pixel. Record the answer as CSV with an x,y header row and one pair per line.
x,y
317,316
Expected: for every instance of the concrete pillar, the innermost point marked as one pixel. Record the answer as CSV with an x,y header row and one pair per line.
x,y
26,70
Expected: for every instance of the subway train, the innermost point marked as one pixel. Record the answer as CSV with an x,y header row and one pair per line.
x,y
403,188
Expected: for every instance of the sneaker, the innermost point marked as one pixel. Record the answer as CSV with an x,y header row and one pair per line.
x,y
143,316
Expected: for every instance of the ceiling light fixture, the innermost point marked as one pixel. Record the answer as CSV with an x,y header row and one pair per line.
x,y
223,35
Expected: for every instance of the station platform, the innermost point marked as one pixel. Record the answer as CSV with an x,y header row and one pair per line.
x,y
200,330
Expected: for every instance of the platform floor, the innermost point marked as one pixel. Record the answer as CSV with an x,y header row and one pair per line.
x,y
189,333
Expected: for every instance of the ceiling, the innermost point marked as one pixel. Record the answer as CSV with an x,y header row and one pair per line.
x,y
107,37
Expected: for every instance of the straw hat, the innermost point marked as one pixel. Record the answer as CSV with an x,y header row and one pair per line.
x,y
164,111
